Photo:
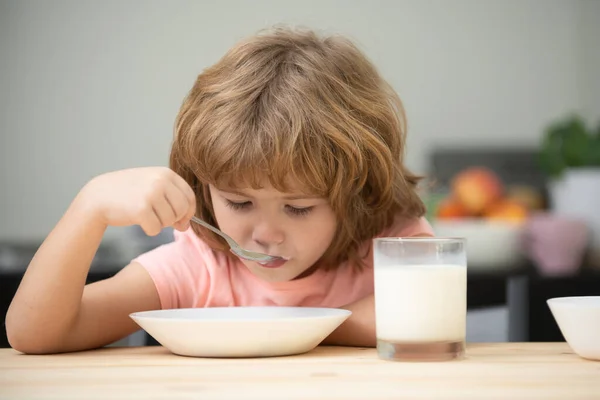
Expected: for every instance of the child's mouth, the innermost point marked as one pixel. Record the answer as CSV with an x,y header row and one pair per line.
x,y
274,264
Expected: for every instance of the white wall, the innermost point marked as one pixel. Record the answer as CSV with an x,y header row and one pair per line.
x,y
87,87
590,58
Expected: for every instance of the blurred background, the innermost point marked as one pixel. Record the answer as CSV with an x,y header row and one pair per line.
x,y
502,99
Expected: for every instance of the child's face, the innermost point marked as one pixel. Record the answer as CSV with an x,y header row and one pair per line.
x,y
295,226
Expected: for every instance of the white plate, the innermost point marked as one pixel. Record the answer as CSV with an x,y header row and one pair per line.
x,y
240,331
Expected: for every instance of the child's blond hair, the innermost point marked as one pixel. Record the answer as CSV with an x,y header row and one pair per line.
x,y
288,104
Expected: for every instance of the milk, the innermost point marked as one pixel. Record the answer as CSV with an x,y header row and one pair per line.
x,y
421,303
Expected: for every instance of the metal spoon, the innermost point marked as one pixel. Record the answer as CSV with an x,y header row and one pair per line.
x,y
235,248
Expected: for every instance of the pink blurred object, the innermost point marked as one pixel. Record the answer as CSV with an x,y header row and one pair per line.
x,y
556,244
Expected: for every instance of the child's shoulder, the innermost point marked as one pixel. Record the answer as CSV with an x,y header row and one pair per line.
x,y
187,250
191,240
185,270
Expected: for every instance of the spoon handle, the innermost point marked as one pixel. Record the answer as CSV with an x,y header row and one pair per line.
x,y
215,230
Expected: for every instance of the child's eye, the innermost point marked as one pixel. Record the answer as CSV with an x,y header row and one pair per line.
x,y
238,206
299,212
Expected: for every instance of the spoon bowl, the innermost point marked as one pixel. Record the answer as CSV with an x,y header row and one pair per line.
x,y
236,248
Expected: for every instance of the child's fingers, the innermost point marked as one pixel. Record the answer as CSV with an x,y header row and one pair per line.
x,y
185,189
183,223
163,210
178,202
149,222
181,226
190,197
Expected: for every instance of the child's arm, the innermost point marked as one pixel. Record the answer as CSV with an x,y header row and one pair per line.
x,y
52,310
359,329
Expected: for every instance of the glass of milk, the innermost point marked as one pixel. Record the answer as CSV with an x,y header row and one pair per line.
x,y
420,298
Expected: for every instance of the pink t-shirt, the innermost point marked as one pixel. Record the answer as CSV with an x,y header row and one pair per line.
x,y
187,274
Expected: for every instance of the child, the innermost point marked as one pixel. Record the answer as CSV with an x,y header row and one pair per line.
x,y
293,145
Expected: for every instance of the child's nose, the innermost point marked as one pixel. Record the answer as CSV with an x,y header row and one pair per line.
x,y
267,234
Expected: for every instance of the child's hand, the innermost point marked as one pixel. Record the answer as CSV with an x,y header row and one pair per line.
x,y
153,198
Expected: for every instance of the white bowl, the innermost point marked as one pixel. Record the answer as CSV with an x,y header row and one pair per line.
x,y
491,245
578,319
240,331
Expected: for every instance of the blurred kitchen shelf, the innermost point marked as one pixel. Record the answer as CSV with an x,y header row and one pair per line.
x,y
513,165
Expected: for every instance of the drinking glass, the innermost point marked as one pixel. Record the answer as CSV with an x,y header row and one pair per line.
x,y
420,298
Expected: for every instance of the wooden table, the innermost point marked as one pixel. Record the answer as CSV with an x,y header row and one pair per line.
x,y
490,371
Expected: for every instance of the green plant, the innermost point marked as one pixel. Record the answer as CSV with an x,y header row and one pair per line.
x,y
569,143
